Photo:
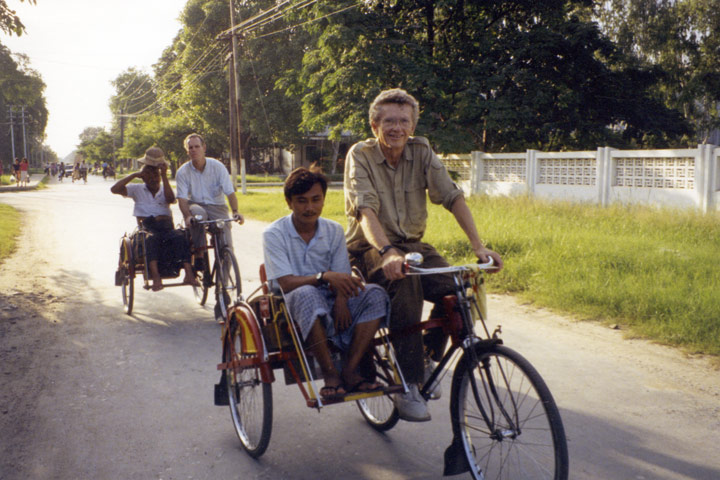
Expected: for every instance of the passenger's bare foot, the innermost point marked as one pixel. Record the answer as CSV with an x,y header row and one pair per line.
x,y
333,386
157,285
191,281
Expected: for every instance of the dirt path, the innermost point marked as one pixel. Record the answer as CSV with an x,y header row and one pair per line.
x,y
88,392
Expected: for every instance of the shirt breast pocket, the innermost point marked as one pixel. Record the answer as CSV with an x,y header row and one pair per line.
x,y
415,203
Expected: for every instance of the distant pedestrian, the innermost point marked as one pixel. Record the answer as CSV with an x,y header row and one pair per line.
x,y
24,172
61,171
16,171
83,171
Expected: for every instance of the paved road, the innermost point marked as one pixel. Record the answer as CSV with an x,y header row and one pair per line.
x,y
89,392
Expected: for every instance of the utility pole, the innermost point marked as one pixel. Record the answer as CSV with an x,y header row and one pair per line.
x,y
24,136
236,105
12,132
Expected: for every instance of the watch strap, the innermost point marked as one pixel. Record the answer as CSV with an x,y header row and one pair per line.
x,y
385,249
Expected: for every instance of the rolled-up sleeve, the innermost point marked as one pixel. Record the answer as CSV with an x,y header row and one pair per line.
x,y
441,188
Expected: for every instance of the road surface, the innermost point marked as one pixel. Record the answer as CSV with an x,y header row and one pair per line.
x,y
89,392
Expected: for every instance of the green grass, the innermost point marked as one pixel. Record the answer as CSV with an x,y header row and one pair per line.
x,y
653,271
9,230
261,179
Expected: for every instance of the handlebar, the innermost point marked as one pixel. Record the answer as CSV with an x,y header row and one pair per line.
x,y
218,221
410,267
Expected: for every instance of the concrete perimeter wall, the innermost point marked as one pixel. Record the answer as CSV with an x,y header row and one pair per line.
x,y
682,178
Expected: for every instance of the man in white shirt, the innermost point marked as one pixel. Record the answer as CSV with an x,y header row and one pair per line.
x,y
202,185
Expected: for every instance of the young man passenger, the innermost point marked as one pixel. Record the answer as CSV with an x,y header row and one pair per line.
x,y
305,255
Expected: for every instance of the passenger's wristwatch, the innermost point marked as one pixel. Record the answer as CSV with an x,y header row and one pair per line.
x,y
320,279
385,249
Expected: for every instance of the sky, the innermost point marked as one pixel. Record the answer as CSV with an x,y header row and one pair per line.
x,y
80,46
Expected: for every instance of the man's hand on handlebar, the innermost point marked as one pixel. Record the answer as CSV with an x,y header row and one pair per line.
x,y
238,218
393,265
484,255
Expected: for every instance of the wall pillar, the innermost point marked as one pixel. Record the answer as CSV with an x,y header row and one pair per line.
x,y
531,171
477,165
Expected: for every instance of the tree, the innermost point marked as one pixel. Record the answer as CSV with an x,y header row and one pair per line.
x,y
679,39
9,22
20,86
490,75
98,148
192,79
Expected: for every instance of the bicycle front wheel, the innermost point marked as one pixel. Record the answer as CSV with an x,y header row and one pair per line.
x,y
228,282
506,418
250,400
203,277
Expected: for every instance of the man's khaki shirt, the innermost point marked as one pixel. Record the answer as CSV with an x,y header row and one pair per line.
x,y
396,195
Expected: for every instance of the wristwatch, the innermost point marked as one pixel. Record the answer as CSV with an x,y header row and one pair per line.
x,y
320,279
385,249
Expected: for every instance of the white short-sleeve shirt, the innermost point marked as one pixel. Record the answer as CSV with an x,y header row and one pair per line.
x,y
147,204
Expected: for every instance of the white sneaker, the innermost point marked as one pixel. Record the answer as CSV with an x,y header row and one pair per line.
x,y
411,406
435,389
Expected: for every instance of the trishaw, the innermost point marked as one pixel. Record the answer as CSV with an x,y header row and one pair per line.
x,y
224,273
505,422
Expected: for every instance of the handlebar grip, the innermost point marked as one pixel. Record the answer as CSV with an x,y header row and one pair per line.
x,y
489,264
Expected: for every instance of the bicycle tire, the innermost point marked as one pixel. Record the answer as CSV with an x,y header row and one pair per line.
x,y
201,291
379,412
250,400
128,276
228,284
528,440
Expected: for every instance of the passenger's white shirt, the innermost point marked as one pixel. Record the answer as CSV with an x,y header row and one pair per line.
x,y
147,204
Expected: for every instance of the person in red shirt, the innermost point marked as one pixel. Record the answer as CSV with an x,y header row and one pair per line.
x,y
24,172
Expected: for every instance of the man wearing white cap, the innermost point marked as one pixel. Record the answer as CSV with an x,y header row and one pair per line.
x,y
152,209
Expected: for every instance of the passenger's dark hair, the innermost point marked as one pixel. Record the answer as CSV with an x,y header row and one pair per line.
x,y
302,179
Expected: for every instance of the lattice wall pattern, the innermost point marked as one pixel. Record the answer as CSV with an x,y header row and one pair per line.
x,y
568,171
506,170
459,165
656,172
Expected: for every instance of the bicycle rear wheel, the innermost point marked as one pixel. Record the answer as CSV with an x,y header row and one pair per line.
x,y
228,283
380,411
127,268
250,399
510,427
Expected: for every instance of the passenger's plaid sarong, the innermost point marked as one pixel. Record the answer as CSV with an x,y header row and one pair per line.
x,y
308,303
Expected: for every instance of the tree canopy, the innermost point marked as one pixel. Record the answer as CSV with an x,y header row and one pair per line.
x,y
9,21
21,86
497,76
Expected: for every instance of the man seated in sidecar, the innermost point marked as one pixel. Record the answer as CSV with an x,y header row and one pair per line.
x,y
305,255
152,209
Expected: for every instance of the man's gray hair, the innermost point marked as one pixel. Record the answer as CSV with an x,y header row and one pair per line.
x,y
397,96
193,135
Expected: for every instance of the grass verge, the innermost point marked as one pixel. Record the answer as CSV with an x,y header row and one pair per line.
x,y
653,271
9,230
